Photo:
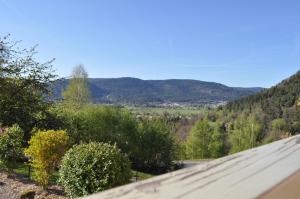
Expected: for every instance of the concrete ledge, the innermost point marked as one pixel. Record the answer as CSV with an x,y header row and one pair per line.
x,y
248,174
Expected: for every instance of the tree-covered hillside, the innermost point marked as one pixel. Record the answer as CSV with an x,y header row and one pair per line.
x,y
156,92
270,115
276,102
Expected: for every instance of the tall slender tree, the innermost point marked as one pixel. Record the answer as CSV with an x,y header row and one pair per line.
x,y
77,92
198,140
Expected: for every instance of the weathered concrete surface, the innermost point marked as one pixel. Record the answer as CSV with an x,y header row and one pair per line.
x,y
192,163
249,174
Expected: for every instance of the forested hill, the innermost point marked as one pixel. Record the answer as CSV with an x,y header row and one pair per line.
x,y
157,92
279,101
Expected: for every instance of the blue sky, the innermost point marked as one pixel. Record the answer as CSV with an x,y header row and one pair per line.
x,y
238,43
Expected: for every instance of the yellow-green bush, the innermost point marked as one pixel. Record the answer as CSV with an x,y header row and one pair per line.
x,y
46,149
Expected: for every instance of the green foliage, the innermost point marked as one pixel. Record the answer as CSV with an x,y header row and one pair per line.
x,y
77,92
273,101
161,111
216,146
278,125
100,123
45,151
262,118
11,150
148,143
111,125
246,132
93,167
156,147
197,141
206,140
277,131
24,86
71,119
277,113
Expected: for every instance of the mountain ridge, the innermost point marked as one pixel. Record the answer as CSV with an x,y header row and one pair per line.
x,y
135,91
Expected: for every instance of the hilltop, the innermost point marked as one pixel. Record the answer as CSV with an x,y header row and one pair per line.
x,y
136,91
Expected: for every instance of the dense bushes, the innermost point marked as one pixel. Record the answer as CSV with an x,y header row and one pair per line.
x,y
99,123
45,150
110,125
149,144
93,167
278,130
156,147
11,150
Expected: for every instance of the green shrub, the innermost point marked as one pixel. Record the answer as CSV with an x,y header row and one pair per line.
x,y
156,147
10,147
93,167
46,149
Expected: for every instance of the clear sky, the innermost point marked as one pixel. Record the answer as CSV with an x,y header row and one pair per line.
x,y
238,43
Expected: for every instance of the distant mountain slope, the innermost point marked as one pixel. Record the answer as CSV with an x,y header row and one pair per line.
x,y
276,102
156,92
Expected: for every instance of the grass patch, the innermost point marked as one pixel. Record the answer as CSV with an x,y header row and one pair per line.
x,y
138,176
23,169
175,111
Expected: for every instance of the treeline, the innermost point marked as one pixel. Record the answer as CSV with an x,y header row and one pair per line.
x,y
277,105
148,143
217,134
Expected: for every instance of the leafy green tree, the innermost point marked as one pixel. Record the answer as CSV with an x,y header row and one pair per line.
x,y
11,150
72,119
216,146
198,140
77,92
206,140
99,123
246,133
156,147
24,86
111,125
